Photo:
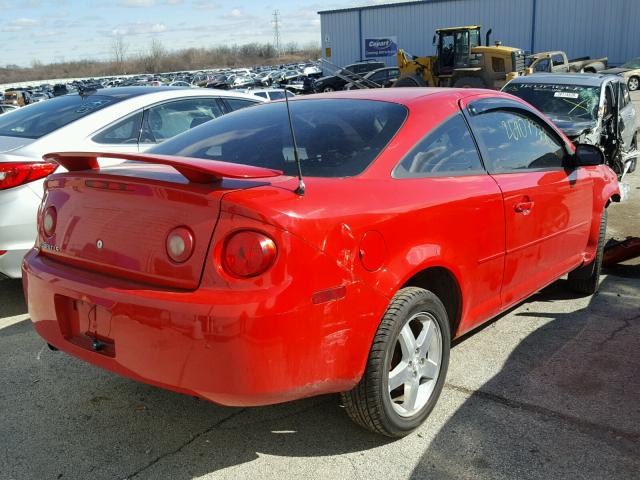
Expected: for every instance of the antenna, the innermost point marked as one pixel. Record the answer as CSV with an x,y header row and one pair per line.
x,y
276,31
301,187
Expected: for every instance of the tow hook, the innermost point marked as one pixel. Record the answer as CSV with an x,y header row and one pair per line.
x,y
97,345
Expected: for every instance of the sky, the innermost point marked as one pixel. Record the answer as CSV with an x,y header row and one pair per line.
x,y
62,30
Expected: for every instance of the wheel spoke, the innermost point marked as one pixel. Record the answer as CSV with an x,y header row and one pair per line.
x,y
411,394
399,375
426,335
429,369
407,342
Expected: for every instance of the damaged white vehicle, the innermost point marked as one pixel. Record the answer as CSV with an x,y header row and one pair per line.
x,y
589,108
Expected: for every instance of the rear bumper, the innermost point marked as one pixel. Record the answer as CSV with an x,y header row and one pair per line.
x,y
232,348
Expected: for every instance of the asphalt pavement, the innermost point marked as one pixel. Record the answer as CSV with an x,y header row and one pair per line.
x,y
549,390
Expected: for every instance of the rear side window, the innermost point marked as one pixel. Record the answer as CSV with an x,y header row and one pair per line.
x,y
515,142
238,103
276,95
124,132
335,137
42,118
446,151
172,118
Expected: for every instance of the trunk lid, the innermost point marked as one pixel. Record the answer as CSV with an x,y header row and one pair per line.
x,y
9,144
116,221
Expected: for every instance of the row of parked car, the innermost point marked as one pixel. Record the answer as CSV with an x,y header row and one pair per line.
x,y
296,77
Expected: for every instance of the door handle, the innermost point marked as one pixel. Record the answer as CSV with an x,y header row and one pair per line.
x,y
523,207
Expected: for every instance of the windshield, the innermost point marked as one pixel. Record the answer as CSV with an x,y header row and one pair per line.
x,y
336,138
571,102
635,63
42,118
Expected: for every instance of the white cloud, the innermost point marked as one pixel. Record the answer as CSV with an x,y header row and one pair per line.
x,y
20,24
204,5
139,28
137,3
148,3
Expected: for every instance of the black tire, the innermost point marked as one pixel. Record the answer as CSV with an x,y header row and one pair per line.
x,y
369,404
586,278
410,81
328,89
469,82
633,84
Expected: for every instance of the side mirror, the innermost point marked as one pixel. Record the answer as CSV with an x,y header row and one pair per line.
x,y
433,41
588,156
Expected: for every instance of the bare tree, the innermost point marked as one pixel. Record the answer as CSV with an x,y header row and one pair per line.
x,y
119,49
156,56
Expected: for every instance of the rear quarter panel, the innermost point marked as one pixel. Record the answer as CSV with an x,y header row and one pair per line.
x,y
451,222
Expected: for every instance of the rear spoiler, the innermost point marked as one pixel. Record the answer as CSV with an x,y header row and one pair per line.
x,y
196,170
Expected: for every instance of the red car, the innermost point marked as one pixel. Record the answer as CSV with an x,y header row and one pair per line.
x,y
203,266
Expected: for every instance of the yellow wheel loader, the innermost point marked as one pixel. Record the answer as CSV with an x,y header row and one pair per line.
x,y
461,61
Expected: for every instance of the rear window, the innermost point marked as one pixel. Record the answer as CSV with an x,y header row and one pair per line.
x,y
42,118
335,137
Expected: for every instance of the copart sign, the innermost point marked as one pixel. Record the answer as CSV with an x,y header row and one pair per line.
x,y
380,47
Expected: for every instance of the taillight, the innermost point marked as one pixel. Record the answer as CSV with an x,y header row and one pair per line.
x,y
14,174
248,254
49,220
180,244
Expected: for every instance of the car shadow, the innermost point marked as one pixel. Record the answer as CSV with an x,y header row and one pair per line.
x,y
11,298
565,403
54,404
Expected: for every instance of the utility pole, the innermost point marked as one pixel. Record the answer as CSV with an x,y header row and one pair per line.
x,y
276,31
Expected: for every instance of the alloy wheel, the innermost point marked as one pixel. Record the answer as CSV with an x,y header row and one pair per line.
x,y
415,364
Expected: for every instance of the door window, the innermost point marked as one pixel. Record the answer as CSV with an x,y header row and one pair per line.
x,y
448,150
378,76
542,66
625,94
446,52
608,101
172,118
123,132
513,142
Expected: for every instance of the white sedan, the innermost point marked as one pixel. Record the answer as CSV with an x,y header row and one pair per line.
x,y
126,119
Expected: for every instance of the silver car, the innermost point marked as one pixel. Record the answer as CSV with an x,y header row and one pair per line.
x,y
128,119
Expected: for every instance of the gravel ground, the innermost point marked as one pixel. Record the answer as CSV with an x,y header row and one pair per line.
x,y
548,390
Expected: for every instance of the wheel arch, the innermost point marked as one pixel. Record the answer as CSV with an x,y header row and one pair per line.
x,y
445,285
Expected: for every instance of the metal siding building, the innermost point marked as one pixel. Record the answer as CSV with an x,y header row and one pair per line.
x,y
593,28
